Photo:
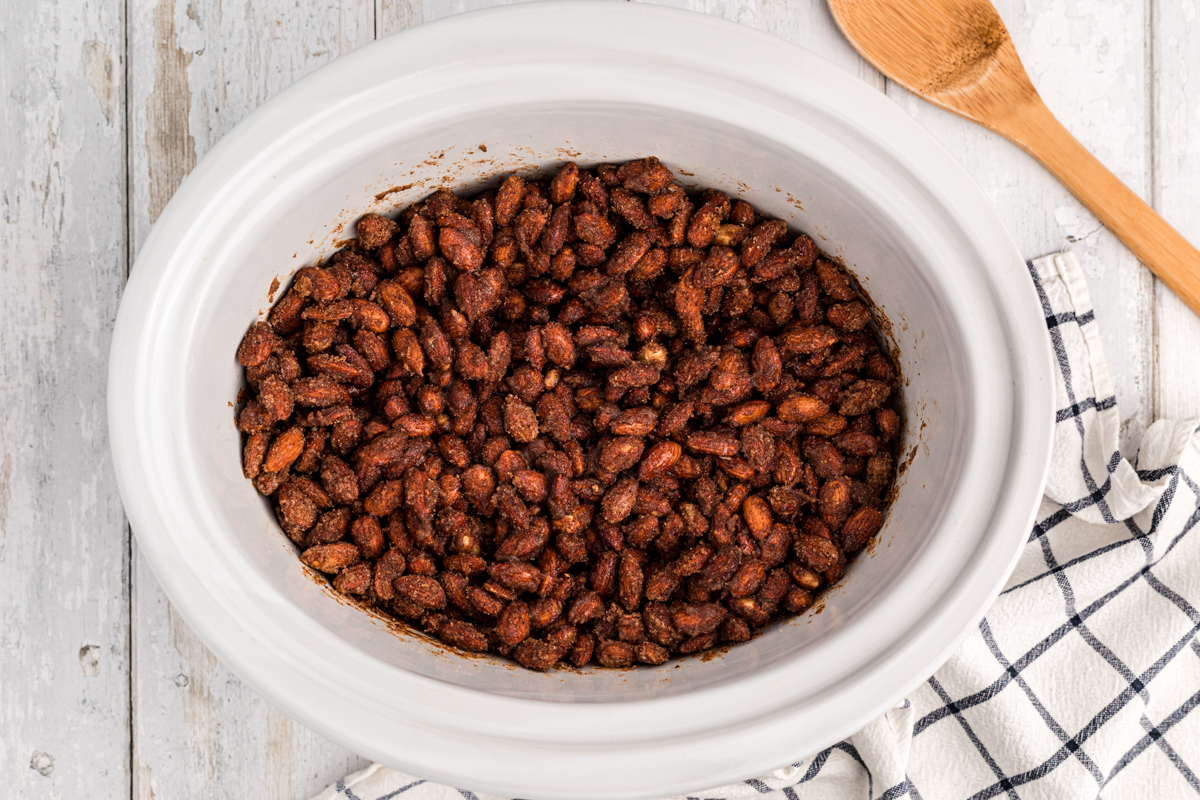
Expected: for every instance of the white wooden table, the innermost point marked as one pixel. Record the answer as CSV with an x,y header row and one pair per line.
x,y
106,104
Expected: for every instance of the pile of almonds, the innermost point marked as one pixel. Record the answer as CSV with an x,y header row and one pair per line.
x,y
591,419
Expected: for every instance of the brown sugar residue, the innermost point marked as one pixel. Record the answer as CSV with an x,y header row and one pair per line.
x,y
711,655
393,190
887,333
882,321
397,628
482,147
273,289
316,577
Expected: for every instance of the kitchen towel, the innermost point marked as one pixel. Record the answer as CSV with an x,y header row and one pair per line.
x,y
1083,679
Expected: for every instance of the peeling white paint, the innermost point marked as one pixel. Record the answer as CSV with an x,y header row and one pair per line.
x,y
63,732
1177,127
100,69
1177,175
89,660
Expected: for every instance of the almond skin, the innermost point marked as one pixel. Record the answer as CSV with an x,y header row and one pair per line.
x,y
284,450
330,558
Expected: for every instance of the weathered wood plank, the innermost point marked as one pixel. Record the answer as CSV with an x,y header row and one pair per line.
x,y
1089,63
198,67
803,22
64,546
1175,34
201,732
806,23
396,15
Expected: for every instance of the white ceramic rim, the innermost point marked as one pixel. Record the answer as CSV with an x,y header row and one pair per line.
x,y
719,734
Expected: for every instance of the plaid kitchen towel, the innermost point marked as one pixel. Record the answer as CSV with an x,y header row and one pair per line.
x,y
1083,680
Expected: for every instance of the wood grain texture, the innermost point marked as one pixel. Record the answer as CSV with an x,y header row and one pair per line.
x,y
396,15
197,68
806,23
1088,60
64,604
1175,35
201,732
803,22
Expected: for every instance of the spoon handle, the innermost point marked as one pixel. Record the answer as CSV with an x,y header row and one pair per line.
x,y
1159,246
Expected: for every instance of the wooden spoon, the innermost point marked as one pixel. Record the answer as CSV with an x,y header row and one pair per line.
x,y
957,54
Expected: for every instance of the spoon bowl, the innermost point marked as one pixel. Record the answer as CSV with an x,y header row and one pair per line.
x,y
957,55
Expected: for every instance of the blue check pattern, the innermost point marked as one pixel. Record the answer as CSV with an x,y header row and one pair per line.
x,y
1083,679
